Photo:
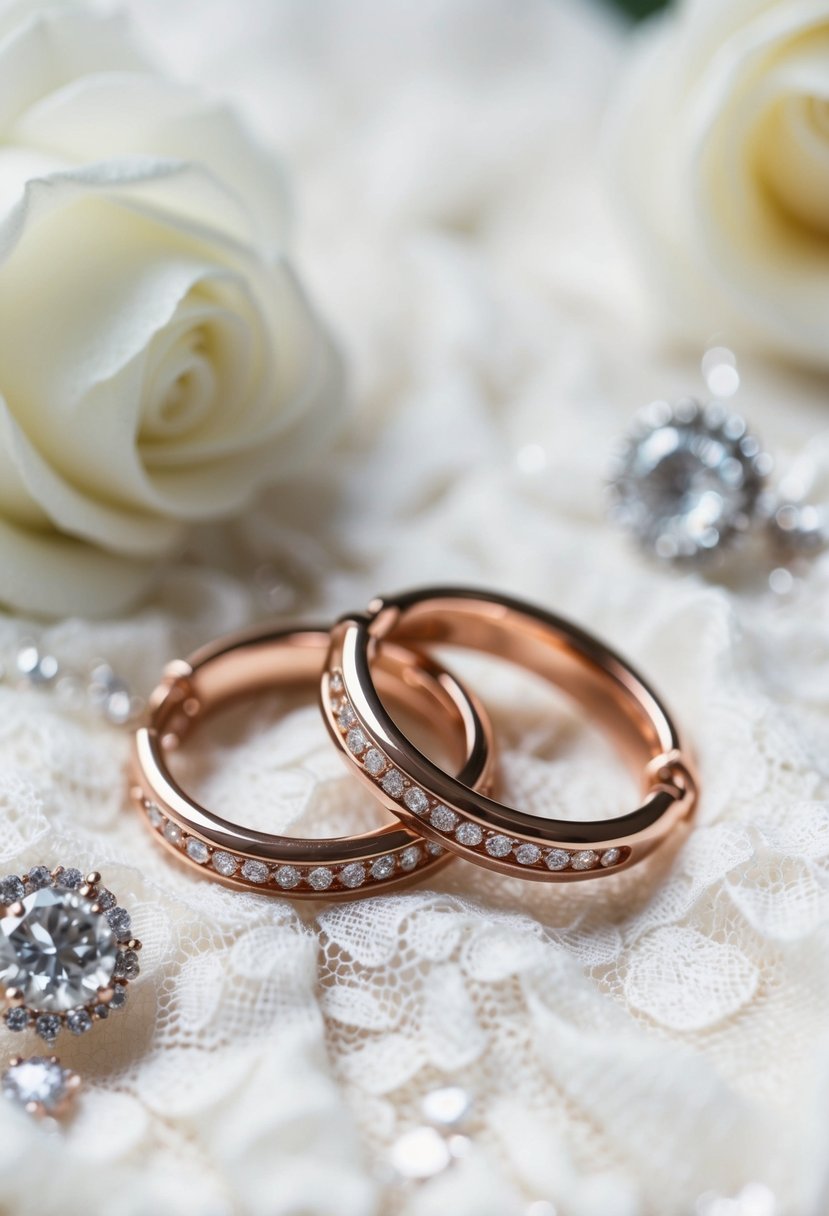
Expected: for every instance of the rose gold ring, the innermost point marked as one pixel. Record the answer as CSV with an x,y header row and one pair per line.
x,y
469,822
280,865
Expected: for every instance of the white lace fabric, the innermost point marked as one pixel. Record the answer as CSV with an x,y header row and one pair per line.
x,y
630,1044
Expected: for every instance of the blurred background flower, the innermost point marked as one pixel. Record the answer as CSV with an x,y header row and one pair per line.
x,y
159,360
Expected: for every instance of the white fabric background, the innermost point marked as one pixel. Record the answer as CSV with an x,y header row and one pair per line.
x,y
630,1045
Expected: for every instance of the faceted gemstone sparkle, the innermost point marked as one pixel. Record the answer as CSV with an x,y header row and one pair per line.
x,y
58,952
469,834
17,1018
197,851
155,817
119,997
527,854
353,875
70,877
120,922
393,783
255,871
225,864
11,889
346,717
374,762
287,877
37,1080
335,683
320,878
48,1026
557,859
416,800
443,819
585,859
127,966
383,867
610,857
78,1021
172,832
356,740
498,846
38,876
410,857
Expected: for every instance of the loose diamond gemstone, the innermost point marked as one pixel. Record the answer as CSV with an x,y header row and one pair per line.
x,y
38,876
119,997
172,832
498,846
416,800
197,851
154,815
37,1081
119,922
356,740
48,1026
11,890
78,1021
321,878
17,1019
346,717
557,859
469,834
688,480
335,683
353,875
410,857
70,878
393,783
255,871
443,819
105,900
610,857
383,867
374,761
225,864
58,952
287,877
585,859
434,849
527,854
126,965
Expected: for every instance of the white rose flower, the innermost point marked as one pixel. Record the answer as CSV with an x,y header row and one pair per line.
x,y
158,359
720,159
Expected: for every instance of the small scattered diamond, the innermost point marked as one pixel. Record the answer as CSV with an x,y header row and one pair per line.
x,y
410,857
527,854
356,740
78,1021
70,878
416,800
393,783
321,878
443,819
172,832
197,851
353,875
119,997
498,846
126,965
48,1027
105,900
155,817
469,834
38,1082
434,849
374,762
610,857
11,889
17,1019
382,867
38,878
287,877
255,871
225,864
119,922
557,859
585,859
335,683
346,717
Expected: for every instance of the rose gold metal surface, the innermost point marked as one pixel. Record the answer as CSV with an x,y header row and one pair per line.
x,y
255,662
613,695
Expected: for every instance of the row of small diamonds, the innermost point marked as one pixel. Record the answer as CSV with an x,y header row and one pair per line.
x,y
350,876
443,818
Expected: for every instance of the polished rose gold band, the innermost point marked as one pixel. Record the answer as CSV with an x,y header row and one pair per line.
x,y
368,660
471,823
281,865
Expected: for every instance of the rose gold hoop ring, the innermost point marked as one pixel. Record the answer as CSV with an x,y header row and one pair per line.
x,y
281,865
471,823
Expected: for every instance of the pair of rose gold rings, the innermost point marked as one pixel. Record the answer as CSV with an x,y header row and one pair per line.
x,y
379,685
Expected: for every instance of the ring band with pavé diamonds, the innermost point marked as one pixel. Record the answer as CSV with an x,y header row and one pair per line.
x,y
470,822
280,865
